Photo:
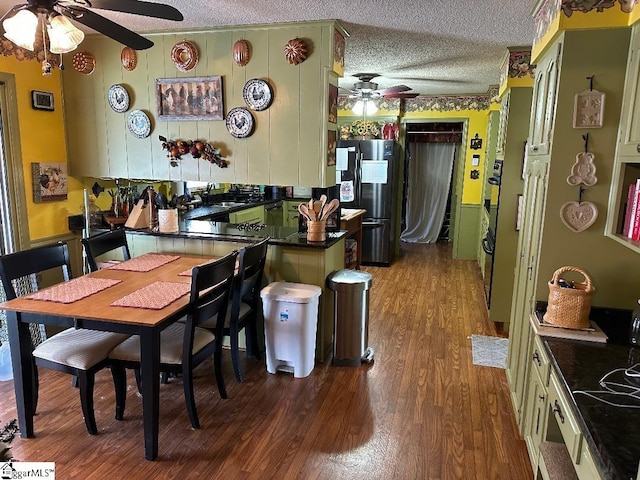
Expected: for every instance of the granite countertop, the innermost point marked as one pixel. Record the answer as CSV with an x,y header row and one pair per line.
x,y
612,432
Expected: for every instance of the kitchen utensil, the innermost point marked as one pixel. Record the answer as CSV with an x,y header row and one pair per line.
x,y
331,207
323,201
311,207
317,208
304,211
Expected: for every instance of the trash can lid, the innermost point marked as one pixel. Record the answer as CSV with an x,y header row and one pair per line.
x,y
349,280
290,292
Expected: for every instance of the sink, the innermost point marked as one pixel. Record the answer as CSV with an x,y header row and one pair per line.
x,y
229,204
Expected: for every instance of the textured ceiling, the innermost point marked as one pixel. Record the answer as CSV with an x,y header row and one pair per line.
x,y
434,47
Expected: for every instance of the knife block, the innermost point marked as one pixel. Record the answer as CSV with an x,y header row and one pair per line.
x,y
139,216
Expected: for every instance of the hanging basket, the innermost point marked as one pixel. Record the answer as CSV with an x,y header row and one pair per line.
x,y
569,307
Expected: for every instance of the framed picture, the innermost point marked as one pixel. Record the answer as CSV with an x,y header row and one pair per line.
x,y
331,147
197,98
333,104
42,100
50,182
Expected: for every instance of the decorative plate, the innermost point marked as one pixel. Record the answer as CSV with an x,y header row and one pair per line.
x,y
129,58
577,217
139,124
118,98
239,122
257,94
185,55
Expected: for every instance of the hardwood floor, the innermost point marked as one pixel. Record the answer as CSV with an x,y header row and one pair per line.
x,y
420,411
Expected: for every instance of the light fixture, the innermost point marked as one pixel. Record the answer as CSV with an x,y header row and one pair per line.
x,y
364,105
63,36
21,29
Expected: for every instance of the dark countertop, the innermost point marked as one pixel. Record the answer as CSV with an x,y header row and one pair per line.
x,y
612,433
283,236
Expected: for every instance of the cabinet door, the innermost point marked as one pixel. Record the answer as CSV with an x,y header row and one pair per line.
x,y
502,125
536,416
630,117
523,300
545,87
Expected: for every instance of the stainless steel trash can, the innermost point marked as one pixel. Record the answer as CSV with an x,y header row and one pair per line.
x,y
350,317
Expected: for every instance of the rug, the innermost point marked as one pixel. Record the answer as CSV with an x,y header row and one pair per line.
x,y
489,351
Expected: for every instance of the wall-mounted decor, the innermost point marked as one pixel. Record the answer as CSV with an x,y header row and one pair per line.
x,y
239,122
42,100
84,62
295,51
331,147
139,124
578,216
588,109
49,182
333,104
241,53
129,58
185,55
197,98
118,98
257,94
197,149
339,46
476,143
583,171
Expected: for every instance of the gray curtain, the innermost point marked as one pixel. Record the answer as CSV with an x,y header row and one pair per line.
x,y
429,178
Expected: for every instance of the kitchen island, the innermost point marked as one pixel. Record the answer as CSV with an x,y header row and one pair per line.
x,y
290,257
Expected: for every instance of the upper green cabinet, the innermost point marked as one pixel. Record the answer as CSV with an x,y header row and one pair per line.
x,y
629,144
287,144
543,106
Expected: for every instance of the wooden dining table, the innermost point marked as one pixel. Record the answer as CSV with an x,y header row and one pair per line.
x,y
95,312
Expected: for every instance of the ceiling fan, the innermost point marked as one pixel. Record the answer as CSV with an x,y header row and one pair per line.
x,y
366,89
79,11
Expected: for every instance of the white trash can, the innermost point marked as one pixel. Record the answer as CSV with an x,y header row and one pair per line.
x,y
290,324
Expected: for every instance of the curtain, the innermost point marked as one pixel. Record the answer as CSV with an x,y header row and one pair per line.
x,y
429,179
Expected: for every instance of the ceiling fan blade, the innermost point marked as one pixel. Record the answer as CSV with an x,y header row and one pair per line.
x,y
401,95
106,27
395,89
137,7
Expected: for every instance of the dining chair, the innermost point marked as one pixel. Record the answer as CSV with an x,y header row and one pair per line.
x,y
184,346
245,303
97,245
79,352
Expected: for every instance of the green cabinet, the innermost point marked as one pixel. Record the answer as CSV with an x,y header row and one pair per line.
x,y
248,215
291,214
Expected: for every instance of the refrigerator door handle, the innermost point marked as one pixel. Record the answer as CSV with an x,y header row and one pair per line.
x,y
373,224
359,157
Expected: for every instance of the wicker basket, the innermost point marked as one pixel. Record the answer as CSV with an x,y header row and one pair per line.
x,y
569,307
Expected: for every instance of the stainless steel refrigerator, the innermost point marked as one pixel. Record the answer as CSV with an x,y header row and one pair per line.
x,y
367,174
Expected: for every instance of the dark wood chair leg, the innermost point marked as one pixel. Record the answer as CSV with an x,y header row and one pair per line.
x,y
235,355
164,378
138,380
189,397
36,390
217,364
86,381
119,376
252,338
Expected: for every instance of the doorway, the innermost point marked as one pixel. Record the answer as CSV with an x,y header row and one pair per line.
x,y
428,183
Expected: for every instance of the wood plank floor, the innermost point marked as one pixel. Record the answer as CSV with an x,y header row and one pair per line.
x,y
420,411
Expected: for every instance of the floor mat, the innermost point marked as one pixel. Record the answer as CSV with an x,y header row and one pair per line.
x,y
489,351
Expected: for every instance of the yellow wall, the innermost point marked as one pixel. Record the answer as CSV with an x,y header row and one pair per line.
x,y
42,139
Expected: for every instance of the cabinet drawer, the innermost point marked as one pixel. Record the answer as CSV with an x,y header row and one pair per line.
x,y
540,360
559,407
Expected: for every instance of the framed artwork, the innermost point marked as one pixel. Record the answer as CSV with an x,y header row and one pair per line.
x,y
197,98
50,182
333,104
331,147
42,100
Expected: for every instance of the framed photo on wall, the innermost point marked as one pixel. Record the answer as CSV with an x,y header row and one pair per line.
x,y
197,98
50,182
331,147
333,104
42,100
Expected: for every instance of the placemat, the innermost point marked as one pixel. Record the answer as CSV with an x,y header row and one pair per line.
x,y
154,296
73,290
145,263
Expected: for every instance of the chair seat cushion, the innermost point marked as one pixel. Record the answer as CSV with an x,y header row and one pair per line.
x,y
78,348
171,340
211,323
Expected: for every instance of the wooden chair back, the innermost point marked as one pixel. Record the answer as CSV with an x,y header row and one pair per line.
x,y
102,243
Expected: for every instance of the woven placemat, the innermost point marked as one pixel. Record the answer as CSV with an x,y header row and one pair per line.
x,y
145,263
73,290
154,296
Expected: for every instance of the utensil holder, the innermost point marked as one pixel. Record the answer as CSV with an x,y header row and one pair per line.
x,y
168,220
316,230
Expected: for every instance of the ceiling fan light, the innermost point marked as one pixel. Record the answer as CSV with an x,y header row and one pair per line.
x,y
64,37
21,29
371,108
358,108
